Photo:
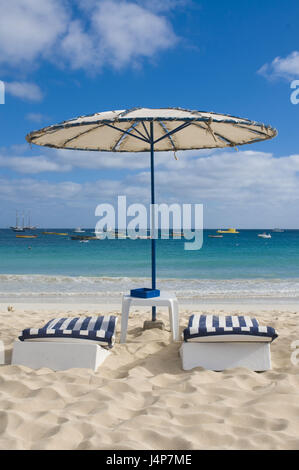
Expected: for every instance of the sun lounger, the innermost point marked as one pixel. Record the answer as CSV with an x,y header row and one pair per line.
x,y
65,343
223,342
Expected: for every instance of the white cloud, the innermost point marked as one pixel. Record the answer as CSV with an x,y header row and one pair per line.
x,y
22,190
154,5
244,177
128,31
30,28
79,49
24,90
114,160
101,161
244,189
165,5
31,165
36,117
108,32
282,67
246,180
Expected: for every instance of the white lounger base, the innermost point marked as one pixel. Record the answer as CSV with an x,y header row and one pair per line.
x,y
221,356
58,355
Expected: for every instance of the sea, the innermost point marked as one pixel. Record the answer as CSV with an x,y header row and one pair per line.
x,y
236,267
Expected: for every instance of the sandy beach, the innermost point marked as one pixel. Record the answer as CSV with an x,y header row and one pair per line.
x,y
141,398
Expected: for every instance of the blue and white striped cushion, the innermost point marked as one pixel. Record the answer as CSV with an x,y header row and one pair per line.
x,y
99,329
204,326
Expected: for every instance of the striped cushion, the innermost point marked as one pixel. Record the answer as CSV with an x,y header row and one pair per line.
x,y
98,329
227,328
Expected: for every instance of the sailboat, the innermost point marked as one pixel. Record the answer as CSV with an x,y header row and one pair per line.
x,y
17,227
29,226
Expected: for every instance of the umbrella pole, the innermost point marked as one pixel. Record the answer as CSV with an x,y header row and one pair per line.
x,y
153,216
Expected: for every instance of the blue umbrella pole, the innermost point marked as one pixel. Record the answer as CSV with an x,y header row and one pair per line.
x,y
153,218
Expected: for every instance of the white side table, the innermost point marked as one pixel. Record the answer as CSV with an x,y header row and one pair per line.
x,y
166,299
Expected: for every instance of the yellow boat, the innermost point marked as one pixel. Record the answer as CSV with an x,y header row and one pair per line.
x,y
229,230
54,233
26,236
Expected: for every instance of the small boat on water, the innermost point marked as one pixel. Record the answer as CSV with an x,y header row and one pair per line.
x,y
83,241
264,235
79,230
82,237
26,236
54,233
278,230
121,235
229,230
177,234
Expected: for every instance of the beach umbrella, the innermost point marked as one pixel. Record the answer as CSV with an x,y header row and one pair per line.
x,y
151,130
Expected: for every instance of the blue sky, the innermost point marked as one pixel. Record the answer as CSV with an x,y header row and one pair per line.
x,y
61,59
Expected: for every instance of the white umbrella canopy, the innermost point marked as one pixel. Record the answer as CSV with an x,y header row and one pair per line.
x,y
173,129
149,130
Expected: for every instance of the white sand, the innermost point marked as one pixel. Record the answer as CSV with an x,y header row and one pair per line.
x,y
141,399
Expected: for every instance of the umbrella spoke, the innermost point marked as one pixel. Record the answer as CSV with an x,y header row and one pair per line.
x,y
126,135
226,139
122,137
177,129
255,131
81,133
146,131
163,125
125,132
134,128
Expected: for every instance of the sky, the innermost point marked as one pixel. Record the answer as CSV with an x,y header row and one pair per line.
x,y
65,58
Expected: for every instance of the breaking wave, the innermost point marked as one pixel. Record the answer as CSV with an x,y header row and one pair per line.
x,y
32,286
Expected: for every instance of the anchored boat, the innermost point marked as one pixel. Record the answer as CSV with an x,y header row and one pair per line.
x,y
54,233
229,230
26,236
82,237
17,227
264,235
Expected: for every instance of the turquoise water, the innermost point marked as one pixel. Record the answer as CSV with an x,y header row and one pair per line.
x,y
242,256
235,262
